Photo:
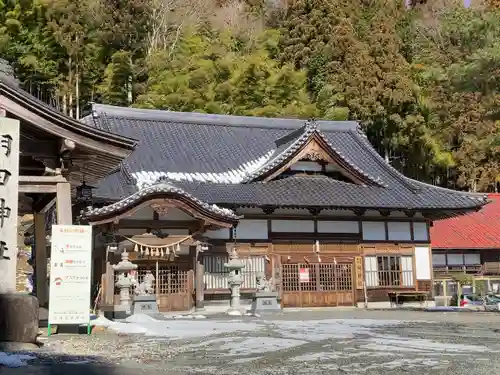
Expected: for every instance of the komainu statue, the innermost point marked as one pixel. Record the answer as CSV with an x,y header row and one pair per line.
x,y
263,284
146,287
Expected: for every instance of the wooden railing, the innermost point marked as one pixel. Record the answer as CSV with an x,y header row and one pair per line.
x,y
488,268
491,268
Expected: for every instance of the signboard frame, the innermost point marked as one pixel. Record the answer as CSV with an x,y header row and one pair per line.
x,y
70,269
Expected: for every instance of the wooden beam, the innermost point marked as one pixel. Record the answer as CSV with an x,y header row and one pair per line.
x,y
41,179
199,276
157,224
41,259
63,204
37,189
39,184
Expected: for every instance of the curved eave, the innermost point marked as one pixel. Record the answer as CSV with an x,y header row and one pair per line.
x,y
25,100
198,208
435,213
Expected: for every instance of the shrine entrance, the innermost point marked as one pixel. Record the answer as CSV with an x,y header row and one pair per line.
x,y
44,156
317,284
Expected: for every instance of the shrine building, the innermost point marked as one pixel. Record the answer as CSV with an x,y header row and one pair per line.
x,y
309,203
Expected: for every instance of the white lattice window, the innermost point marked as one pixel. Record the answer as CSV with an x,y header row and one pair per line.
x,y
216,275
388,271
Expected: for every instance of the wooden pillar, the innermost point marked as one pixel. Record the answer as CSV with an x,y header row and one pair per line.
x,y
40,259
199,273
63,204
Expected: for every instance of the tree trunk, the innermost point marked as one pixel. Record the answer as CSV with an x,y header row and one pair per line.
x,y
70,86
77,90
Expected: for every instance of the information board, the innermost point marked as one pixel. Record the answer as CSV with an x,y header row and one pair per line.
x,y
304,275
70,274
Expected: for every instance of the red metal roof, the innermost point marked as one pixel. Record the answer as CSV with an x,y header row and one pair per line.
x,y
478,230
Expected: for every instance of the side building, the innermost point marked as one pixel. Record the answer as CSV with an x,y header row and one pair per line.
x,y
309,203
466,250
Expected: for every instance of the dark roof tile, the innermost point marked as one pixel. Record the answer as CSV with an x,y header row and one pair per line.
x,y
210,156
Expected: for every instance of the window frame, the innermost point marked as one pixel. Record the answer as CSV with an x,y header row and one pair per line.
x,y
402,274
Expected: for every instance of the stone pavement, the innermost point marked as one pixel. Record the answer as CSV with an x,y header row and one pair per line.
x,y
320,342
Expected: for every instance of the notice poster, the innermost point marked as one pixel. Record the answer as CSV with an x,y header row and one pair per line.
x,y
304,275
70,274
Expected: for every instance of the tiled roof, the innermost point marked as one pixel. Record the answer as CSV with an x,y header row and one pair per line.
x,y
159,189
10,90
216,157
478,230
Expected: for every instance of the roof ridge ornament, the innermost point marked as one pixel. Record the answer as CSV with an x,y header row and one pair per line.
x,y
312,125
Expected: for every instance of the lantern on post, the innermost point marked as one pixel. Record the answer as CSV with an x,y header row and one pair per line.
x,y
84,193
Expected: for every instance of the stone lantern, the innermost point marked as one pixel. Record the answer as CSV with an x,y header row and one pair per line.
x,y
125,281
235,265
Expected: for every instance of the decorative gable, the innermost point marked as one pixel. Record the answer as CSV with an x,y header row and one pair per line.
x,y
308,148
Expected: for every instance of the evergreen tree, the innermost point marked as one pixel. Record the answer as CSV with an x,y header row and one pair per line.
x,y
356,70
219,74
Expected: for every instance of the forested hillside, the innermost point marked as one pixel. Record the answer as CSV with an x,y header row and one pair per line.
x,y
423,82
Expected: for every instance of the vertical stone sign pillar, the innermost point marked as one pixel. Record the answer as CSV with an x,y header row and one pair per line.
x,y
9,191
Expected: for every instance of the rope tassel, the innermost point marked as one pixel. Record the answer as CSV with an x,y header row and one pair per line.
x,y
158,250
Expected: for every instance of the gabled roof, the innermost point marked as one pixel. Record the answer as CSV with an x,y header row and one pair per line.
x,y
163,190
477,230
220,158
28,101
292,143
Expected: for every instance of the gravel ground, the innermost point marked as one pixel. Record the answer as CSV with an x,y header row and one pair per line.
x,y
305,342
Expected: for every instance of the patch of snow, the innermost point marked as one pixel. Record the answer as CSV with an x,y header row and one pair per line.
x,y
128,328
234,313
235,176
101,321
259,345
140,319
182,329
14,360
238,346
318,330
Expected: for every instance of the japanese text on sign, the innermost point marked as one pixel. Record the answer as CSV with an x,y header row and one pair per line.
x,y
70,276
9,187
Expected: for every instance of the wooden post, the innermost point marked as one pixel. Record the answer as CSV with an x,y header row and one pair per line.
x,y
63,204
41,259
199,273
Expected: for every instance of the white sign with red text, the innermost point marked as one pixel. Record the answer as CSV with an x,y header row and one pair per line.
x,y
70,274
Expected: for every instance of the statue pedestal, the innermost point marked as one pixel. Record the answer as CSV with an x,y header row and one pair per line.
x,y
145,305
265,302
